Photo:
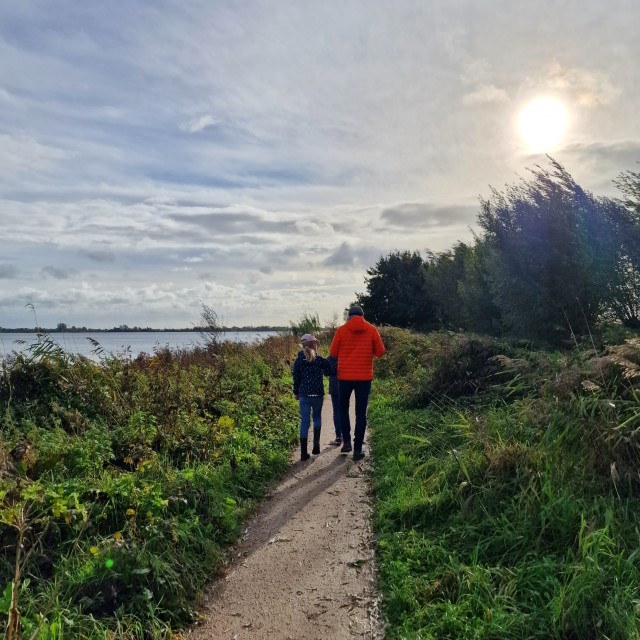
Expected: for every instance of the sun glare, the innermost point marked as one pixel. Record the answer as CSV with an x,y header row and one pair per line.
x,y
542,124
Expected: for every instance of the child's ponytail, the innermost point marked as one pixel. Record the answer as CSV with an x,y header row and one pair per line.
x,y
309,354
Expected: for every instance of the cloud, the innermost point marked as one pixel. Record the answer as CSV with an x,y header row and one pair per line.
x,y
594,165
486,94
98,255
5,96
8,271
57,273
589,88
199,123
621,152
21,154
313,228
343,256
348,255
420,215
225,222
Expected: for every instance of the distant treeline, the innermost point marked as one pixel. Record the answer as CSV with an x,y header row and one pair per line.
x,y
63,328
550,261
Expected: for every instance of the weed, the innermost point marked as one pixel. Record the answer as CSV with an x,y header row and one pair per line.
x,y
507,500
121,481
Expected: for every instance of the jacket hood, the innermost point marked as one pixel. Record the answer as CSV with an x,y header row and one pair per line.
x,y
357,324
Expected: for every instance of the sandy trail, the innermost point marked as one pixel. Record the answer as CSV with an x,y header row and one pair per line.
x,y
305,566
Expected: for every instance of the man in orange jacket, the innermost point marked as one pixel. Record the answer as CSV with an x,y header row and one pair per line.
x,y
355,345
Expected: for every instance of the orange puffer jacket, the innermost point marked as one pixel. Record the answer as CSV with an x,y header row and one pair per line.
x,y
356,344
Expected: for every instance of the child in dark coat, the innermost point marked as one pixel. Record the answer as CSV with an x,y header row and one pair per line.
x,y
308,388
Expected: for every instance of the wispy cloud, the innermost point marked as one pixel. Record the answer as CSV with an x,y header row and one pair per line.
x,y
57,272
199,123
486,94
588,87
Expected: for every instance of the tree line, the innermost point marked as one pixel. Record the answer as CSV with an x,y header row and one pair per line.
x,y
550,260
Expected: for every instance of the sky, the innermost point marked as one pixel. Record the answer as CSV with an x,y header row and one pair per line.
x,y
259,156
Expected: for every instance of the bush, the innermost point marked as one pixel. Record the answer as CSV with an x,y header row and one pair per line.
x,y
120,482
507,503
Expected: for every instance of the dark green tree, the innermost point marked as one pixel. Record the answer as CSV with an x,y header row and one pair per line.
x,y
552,252
445,272
625,298
397,292
478,308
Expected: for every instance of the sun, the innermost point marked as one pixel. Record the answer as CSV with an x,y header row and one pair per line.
x,y
542,124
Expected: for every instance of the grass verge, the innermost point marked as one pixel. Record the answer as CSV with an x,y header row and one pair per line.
x,y
507,491
122,481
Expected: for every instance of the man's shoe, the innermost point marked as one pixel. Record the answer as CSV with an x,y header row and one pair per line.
x,y
337,441
358,455
303,449
346,448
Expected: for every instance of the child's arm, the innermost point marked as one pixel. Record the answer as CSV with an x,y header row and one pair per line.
x,y
296,377
325,365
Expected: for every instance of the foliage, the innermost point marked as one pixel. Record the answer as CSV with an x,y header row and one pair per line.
x,y
307,323
445,271
555,251
124,479
507,493
551,261
397,292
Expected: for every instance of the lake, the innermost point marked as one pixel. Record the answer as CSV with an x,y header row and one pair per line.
x,y
117,342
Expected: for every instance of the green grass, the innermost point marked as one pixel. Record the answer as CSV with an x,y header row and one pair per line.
x,y
126,479
498,511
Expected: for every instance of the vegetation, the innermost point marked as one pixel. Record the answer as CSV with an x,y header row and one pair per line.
x,y
506,479
550,261
506,484
121,481
307,323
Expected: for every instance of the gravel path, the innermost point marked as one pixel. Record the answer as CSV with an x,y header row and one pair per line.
x,y
305,565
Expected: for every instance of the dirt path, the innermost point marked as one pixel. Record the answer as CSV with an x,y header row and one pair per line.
x,y
305,566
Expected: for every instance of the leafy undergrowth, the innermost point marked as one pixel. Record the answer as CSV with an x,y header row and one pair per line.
x,y
507,489
121,481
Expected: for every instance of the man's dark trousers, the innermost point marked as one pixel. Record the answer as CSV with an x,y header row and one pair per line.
x,y
362,390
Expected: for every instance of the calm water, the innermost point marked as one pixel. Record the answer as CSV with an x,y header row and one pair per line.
x,y
134,342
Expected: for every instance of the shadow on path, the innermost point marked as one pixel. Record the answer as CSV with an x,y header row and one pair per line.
x,y
294,493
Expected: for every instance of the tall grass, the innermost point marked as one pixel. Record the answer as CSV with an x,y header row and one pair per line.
x,y
507,492
122,481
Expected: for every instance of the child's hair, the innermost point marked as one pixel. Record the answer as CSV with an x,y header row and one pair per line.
x,y
309,353
308,340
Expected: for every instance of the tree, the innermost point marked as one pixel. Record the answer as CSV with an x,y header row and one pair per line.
x,y
479,310
625,304
397,292
445,272
552,250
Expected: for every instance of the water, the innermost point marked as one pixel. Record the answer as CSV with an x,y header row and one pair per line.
x,y
133,342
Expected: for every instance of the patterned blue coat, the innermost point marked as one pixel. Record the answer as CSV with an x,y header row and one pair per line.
x,y
307,376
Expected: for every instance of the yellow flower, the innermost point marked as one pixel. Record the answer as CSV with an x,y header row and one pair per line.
x,y
94,550
131,512
117,536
